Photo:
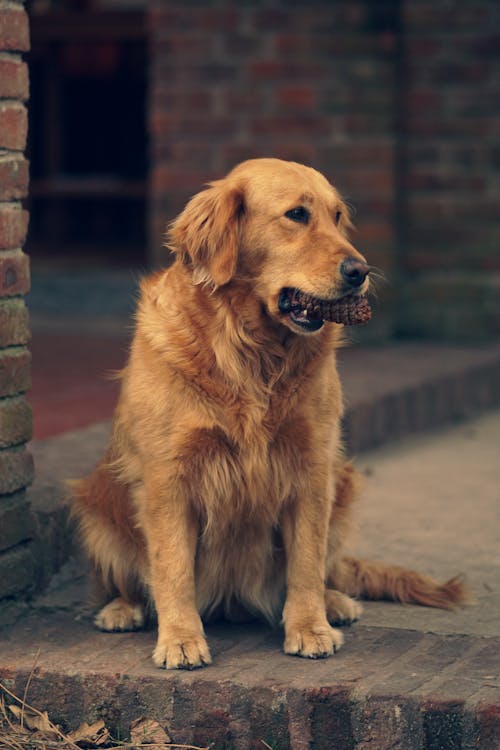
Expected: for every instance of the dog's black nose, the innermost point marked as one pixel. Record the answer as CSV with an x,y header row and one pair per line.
x,y
354,271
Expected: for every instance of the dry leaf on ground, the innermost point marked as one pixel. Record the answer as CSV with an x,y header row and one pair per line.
x,y
94,734
147,731
38,721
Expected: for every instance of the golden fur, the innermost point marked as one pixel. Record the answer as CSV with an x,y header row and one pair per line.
x,y
224,487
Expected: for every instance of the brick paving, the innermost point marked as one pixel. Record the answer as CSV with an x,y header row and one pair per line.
x,y
386,688
72,383
407,678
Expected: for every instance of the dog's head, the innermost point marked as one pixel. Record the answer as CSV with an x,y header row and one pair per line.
x,y
279,227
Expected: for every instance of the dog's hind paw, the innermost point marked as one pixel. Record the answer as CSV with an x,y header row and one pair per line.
x,y
120,615
341,609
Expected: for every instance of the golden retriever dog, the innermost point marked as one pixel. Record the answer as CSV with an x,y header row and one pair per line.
x,y
224,487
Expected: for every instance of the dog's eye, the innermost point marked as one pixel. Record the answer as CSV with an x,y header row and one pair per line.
x,y
300,215
337,218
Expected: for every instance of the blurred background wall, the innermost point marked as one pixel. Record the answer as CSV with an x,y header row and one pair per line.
x,y
135,105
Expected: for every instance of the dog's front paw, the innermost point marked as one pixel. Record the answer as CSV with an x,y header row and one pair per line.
x,y
313,641
182,652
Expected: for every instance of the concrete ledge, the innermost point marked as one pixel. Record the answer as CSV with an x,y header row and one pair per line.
x,y
402,389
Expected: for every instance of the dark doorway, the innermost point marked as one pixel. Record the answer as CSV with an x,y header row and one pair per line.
x,y
88,136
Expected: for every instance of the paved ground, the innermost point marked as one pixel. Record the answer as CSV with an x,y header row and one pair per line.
x,y
434,503
407,677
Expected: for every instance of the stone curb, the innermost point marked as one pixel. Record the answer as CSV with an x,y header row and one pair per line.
x,y
437,398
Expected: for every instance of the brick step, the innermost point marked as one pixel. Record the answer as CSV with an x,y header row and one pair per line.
x,y
407,677
386,688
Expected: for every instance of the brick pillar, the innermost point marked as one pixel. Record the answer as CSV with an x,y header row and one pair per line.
x,y
16,465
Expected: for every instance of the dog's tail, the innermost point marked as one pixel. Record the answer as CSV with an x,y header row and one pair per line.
x,y
374,580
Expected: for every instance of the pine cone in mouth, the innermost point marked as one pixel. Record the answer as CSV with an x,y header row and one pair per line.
x,y
349,310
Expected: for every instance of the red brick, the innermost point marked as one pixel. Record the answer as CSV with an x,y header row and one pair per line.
x,y
14,29
14,322
443,719
16,521
16,471
297,97
14,273
243,45
479,45
368,232
218,19
233,153
379,123
191,47
13,227
386,723
203,126
161,124
361,182
207,74
296,125
163,20
422,16
432,182
303,153
246,100
331,17
330,717
488,721
272,19
266,71
15,371
13,126
423,100
461,73
166,178
423,47
15,421
17,570
14,80
191,155
14,177
294,44
377,153
353,44
181,101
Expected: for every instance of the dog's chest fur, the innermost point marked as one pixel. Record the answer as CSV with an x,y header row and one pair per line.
x,y
237,436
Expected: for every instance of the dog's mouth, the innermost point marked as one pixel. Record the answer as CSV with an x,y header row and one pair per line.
x,y
310,313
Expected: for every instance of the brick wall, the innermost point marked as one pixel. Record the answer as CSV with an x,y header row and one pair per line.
x,y
395,101
16,466
451,236
311,82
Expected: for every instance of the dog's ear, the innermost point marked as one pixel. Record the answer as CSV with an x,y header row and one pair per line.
x,y
206,234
